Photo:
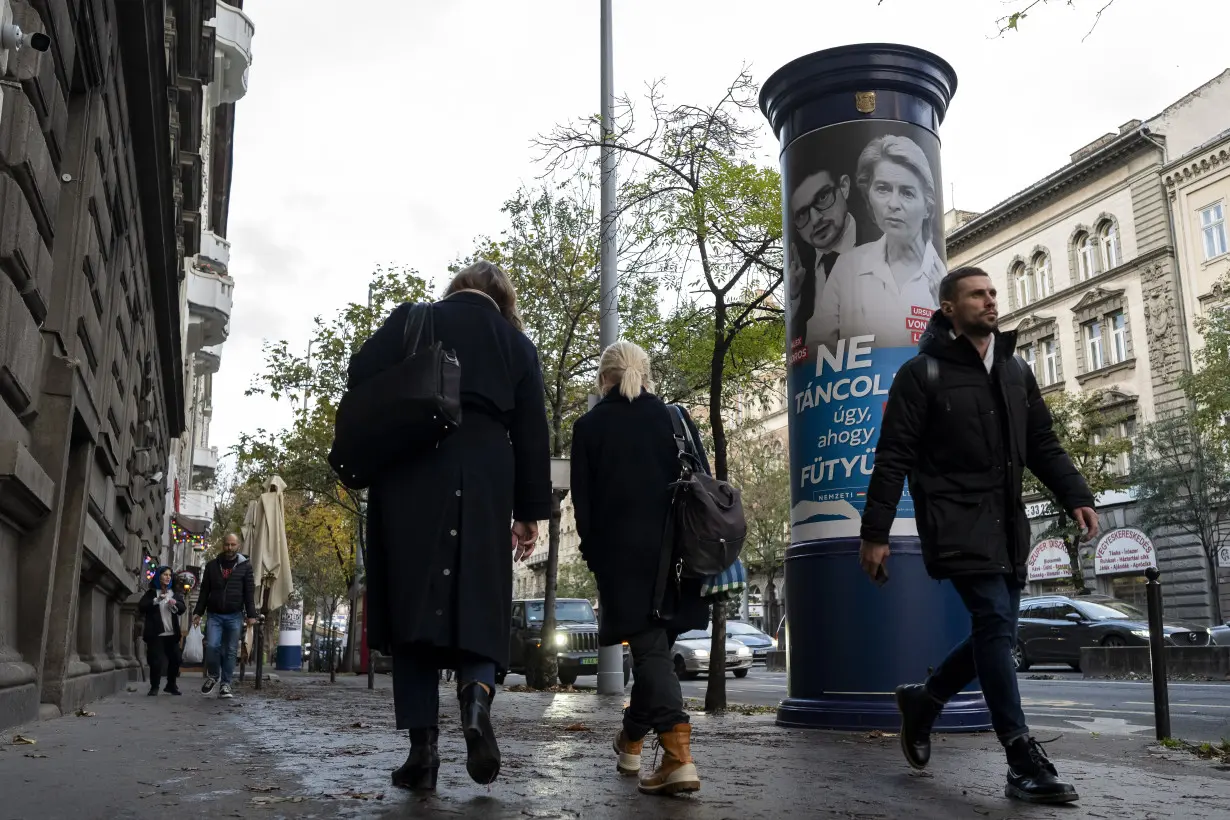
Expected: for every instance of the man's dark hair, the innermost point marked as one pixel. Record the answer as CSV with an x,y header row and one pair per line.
x,y
948,285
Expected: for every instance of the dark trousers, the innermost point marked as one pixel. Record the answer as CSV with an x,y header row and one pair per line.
x,y
656,704
994,604
162,653
416,683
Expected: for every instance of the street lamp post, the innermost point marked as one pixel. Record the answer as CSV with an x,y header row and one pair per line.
x,y
610,658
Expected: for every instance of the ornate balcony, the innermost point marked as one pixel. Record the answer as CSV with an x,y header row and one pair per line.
x,y
198,504
209,308
208,360
205,460
215,253
233,54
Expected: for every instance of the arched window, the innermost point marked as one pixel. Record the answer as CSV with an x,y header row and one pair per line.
x,y
1108,244
1022,281
1086,256
1044,279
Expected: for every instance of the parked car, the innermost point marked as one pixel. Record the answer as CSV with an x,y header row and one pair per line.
x,y
1221,634
575,641
749,636
691,651
1054,628
781,634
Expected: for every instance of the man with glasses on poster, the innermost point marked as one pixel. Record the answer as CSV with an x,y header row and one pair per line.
x,y
821,216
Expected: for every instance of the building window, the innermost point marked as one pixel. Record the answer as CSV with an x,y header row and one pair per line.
x,y
1092,332
1108,244
1086,257
1117,324
1030,355
1213,226
1121,463
1044,280
1050,361
1024,284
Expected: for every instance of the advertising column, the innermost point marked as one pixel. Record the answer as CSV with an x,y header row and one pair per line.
x,y
864,241
290,639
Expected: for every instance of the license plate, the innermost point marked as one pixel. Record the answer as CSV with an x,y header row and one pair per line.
x,y
589,661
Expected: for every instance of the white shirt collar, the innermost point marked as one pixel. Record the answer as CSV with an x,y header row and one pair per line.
x,y
988,358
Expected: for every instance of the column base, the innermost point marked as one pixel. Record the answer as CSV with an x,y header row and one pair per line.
x,y
967,712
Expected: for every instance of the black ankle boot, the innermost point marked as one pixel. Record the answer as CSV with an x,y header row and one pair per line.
x,y
483,753
918,713
1032,777
422,765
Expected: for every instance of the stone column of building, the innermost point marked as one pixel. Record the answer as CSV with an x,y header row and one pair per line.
x,y
98,166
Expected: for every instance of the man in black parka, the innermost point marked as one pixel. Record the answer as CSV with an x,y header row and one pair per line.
x,y
964,420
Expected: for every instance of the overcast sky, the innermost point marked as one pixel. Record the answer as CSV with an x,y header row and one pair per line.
x,y
394,132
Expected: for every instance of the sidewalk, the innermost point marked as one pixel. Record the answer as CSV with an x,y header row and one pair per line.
x,y
305,748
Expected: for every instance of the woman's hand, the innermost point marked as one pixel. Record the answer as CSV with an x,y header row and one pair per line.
x,y
524,537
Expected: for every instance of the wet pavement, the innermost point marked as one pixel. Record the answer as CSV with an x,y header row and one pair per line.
x,y
306,748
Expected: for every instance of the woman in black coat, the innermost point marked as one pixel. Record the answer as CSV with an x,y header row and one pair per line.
x,y
441,524
624,460
162,604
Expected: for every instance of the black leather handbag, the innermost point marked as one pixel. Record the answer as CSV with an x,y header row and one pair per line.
x,y
400,411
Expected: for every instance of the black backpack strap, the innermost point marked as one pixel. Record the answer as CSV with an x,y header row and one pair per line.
x,y
419,323
933,371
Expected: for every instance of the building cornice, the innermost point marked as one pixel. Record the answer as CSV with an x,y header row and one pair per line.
x,y
1203,160
1050,187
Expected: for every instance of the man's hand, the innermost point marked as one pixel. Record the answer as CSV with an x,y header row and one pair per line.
x,y
253,621
1087,519
196,620
525,537
797,273
872,558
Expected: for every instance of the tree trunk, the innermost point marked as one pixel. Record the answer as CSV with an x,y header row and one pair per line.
x,y
715,692
314,659
348,657
332,641
546,665
1211,555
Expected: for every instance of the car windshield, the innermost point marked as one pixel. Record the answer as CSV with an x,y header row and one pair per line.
x,y
694,635
1111,611
739,628
575,612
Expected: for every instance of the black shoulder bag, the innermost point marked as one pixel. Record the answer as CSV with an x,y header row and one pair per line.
x,y
399,411
706,527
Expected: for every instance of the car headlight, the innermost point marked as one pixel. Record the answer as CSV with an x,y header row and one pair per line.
x,y
743,652
561,639
774,642
1141,633
700,653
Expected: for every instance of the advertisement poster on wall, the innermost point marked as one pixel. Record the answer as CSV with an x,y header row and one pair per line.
x,y
865,256
1123,551
1048,561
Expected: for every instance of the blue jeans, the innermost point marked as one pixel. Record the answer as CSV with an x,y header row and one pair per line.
x,y
222,639
994,604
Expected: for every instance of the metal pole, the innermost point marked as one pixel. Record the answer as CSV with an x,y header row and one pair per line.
x,y
259,631
610,658
1157,654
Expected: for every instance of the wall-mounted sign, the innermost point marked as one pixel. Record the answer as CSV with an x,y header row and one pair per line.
x,y
1039,509
1122,551
1049,560
1223,557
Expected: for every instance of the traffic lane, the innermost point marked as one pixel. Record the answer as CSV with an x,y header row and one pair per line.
x,y
1198,711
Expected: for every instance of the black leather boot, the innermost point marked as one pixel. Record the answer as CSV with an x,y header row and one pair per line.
x,y
483,753
1032,777
422,765
918,713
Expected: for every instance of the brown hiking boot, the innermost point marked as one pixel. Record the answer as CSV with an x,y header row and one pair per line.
x,y
629,754
677,772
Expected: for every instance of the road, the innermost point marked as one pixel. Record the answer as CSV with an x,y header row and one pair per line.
x,y
1055,700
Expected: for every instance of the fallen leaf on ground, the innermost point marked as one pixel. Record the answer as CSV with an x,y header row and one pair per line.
x,y
84,713
262,788
265,801
36,755
22,740
577,727
189,768
89,750
360,725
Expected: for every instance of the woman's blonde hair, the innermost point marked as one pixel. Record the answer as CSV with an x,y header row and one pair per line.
x,y
626,366
486,277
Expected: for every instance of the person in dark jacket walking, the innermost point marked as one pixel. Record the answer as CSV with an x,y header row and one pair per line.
x,y
964,420
438,522
228,591
624,461
162,604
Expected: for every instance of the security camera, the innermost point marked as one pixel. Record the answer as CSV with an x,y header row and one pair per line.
x,y
157,476
11,37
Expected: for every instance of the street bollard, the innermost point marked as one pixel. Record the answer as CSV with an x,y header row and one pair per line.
x,y
1157,654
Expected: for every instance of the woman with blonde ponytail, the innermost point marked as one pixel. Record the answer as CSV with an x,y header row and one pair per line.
x,y
624,461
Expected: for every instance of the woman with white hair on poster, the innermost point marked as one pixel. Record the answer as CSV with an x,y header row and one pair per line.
x,y
889,288
624,461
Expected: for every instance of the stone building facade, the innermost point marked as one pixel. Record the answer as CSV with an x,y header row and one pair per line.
x,y
100,176
1101,269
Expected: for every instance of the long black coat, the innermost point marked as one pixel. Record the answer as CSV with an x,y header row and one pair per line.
x,y
965,440
438,545
624,460
152,627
